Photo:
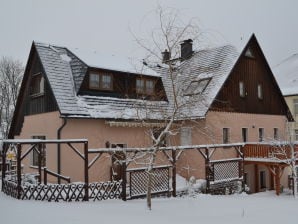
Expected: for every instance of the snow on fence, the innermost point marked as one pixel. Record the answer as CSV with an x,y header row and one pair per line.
x,y
63,192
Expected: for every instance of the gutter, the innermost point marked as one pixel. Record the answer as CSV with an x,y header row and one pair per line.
x,y
59,148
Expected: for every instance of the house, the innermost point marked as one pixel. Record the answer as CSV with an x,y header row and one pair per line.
x,y
286,74
71,94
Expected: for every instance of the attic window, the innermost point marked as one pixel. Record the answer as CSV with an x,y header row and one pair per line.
x,y
197,87
100,81
37,84
249,53
145,86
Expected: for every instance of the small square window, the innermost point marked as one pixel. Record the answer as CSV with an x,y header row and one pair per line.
x,y
100,81
249,53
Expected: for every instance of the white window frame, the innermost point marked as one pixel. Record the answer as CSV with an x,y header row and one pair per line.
x,y
245,133
275,133
261,134
226,136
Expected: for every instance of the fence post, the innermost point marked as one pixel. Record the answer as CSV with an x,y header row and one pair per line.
x,y
174,173
45,176
19,177
39,161
86,172
124,181
241,168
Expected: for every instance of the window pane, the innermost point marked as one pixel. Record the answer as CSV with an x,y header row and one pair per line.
x,y
244,134
149,87
37,84
260,92
241,89
185,136
225,135
275,133
197,87
94,80
106,82
140,86
261,134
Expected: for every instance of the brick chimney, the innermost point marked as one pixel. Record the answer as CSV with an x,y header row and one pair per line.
x,y
166,56
186,49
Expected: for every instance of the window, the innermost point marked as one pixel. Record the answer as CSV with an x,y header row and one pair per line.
x,y
185,136
244,134
226,135
296,134
275,134
197,87
37,84
295,107
249,53
156,133
260,92
145,86
262,179
261,134
241,89
100,81
34,160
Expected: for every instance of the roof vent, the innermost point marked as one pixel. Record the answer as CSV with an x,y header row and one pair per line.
x,y
186,49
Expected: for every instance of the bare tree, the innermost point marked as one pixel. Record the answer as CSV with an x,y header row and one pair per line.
x,y
287,153
166,38
11,72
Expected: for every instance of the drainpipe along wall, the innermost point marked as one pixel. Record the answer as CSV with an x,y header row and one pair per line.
x,y
59,148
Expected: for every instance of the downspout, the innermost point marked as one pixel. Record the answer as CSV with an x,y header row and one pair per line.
x,y
59,148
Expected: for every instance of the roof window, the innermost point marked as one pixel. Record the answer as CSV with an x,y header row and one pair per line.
x,y
197,87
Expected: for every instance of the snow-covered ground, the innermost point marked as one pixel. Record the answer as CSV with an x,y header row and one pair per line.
x,y
257,208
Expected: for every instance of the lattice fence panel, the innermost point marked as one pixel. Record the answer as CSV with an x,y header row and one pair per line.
x,y
225,170
106,190
64,192
139,181
10,188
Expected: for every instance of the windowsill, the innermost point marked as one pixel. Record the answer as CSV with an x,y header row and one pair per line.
x,y
36,167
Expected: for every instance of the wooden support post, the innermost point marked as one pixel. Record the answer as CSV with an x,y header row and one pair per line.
x,y
174,173
277,180
86,172
257,185
39,148
207,168
124,181
19,174
242,168
45,176
271,181
3,155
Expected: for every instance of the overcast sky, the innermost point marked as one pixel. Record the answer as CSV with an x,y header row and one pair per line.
x,y
104,25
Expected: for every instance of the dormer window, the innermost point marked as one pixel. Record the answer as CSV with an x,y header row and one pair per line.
x,y
37,84
197,87
100,81
145,86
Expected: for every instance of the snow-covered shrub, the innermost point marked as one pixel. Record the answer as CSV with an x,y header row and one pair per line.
x,y
29,179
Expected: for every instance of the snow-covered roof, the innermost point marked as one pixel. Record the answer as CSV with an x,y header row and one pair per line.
x,y
113,62
65,70
286,74
214,64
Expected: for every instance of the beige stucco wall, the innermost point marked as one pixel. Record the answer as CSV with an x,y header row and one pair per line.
x,y
292,125
191,163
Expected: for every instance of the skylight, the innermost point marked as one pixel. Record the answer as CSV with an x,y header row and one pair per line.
x,y
197,87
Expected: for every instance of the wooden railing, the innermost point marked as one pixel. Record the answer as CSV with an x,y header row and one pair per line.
x,y
268,151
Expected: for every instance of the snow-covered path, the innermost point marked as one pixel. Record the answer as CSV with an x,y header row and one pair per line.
x,y
257,208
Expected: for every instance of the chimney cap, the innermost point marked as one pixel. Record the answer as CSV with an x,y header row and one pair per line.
x,y
186,41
